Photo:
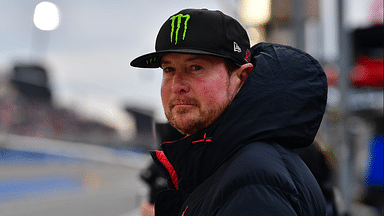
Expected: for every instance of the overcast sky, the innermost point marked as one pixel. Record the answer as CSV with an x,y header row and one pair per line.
x,y
88,55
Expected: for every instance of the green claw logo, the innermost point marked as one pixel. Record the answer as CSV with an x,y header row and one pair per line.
x,y
178,25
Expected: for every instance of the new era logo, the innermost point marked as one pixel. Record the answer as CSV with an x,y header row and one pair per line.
x,y
236,47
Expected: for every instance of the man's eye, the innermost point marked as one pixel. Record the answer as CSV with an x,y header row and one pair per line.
x,y
168,69
196,67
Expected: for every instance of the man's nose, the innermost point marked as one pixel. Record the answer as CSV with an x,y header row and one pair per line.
x,y
180,83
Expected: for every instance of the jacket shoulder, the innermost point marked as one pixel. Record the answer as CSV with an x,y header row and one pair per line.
x,y
272,172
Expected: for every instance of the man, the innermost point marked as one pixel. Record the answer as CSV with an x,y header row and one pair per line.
x,y
242,110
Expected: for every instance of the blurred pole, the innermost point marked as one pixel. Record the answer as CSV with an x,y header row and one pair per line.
x,y
344,64
298,15
40,43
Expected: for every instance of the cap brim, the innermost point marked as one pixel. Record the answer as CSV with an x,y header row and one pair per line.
x,y
153,60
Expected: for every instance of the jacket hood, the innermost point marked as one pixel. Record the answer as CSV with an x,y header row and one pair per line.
x,y
283,100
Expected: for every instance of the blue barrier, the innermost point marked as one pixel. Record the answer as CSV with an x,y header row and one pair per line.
x,y
8,156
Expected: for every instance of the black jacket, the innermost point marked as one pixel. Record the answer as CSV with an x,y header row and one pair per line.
x,y
243,164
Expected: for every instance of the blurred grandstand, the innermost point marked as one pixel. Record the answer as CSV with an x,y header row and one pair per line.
x,y
27,109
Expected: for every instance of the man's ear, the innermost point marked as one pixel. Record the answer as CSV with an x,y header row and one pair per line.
x,y
240,75
245,70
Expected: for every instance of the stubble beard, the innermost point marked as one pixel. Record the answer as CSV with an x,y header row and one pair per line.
x,y
198,119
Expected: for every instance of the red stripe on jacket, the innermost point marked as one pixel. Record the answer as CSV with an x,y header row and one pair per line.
x,y
163,159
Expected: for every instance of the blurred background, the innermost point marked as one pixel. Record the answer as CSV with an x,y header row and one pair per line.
x,y
77,122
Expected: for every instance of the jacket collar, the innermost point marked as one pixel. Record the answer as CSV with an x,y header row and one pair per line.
x,y
194,158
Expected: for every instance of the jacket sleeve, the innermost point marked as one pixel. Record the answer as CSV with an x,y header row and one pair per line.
x,y
260,200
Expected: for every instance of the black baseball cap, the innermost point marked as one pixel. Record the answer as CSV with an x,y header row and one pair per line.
x,y
199,32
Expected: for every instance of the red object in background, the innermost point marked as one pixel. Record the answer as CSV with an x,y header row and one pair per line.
x,y
367,72
332,75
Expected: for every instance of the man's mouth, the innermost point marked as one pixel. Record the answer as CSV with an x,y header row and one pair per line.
x,y
178,104
183,103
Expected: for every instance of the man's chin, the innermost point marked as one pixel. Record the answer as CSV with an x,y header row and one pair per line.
x,y
187,130
185,125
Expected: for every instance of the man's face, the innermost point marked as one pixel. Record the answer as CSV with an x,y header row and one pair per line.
x,y
195,91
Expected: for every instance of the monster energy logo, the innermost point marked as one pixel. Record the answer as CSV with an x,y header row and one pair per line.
x,y
178,25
